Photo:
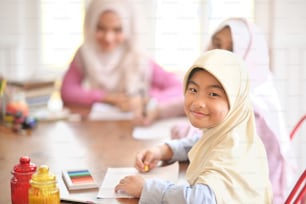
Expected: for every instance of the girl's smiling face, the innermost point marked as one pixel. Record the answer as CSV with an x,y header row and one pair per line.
x,y
109,33
206,103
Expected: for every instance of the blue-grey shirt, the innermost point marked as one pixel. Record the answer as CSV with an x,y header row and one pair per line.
x,y
163,192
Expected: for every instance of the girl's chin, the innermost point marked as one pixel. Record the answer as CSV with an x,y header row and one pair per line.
x,y
198,124
108,49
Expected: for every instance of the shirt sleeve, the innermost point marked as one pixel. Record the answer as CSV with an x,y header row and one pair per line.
x,y
158,191
180,148
167,89
72,91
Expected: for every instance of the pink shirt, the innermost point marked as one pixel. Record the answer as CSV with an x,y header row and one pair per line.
x,y
165,87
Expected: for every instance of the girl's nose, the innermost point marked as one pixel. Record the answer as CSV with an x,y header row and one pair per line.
x,y
109,36
199,102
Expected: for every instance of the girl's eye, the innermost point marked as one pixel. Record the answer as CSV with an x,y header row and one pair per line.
x,y
218,46
192,90
100,28
213,94
117,30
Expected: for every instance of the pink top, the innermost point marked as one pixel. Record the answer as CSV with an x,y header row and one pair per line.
x,y
164,87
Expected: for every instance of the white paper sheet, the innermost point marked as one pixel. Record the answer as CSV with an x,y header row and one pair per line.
x,y
102,111
44,114
114,175
160,129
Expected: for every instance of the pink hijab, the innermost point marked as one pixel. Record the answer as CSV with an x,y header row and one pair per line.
x,y
249,43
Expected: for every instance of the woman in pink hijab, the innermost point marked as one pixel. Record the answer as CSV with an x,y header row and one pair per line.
x,y
111,67
243,38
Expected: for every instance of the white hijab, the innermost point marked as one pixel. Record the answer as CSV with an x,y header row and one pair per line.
x,y
230,158
250,44
123,70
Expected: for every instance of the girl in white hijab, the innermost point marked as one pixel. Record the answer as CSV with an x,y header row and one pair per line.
x,y
244,38
110,66
228,163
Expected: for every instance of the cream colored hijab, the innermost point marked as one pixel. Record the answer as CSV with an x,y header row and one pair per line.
x,y
126,68
230,158
249,43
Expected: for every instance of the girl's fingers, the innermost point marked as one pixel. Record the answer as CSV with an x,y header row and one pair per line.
x,y
150,162
120,188
139,161
149,157
145,161
121,185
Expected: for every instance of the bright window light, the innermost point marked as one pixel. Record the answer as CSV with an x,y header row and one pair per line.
x,y
183,27
62,23
180,29
219,10
177,34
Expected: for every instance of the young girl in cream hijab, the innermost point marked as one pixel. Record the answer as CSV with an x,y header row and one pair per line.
x,y
228,163
244,39
111,67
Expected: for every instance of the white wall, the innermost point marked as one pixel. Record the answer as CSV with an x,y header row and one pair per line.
x,y
19,38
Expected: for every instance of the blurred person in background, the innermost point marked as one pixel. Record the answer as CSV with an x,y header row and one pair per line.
x,y
111,67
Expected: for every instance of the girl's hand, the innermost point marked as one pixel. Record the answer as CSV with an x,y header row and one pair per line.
x,y
149,114
148,159
119,100
138,107
147,118
131,185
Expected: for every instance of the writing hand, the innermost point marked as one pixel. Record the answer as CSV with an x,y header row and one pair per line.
x,y
131,185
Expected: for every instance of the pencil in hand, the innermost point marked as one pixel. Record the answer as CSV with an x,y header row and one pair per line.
x,y
146,168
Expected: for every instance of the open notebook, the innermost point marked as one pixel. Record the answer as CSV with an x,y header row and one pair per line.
x,y
102,111
114,175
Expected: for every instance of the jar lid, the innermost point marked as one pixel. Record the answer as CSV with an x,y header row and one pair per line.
x,y
25,165
43,175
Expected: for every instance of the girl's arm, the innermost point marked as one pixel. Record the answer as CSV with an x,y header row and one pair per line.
x,y
154,190
157,191
180,148
174,150
168,91
72,91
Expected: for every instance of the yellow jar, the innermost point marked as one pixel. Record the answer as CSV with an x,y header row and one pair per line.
x,y
43,188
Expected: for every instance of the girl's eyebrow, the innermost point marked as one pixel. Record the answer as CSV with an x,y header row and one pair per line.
x,y
192,82
216,86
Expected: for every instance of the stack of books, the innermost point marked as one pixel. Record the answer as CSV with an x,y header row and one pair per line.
x,y
37,92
